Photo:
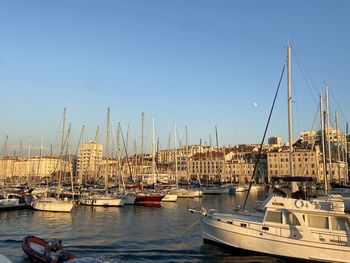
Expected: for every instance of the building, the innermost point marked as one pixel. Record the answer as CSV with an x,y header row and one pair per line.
x,y
275,141
33,169
89,161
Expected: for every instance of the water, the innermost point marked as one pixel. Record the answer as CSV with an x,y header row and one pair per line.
x,y
128,234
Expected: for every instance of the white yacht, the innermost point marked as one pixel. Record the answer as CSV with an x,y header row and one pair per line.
x,y
314,229
304,228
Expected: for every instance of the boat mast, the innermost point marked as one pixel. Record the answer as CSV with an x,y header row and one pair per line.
x,y
175,155
142,137
346,150
61,151
97,164
107,151
328,136
76,154
323,146
118,174
218,168
187,161
153,153
338,146
290,134
200,159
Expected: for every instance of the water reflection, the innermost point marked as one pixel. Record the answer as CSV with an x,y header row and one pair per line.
x,y
126,234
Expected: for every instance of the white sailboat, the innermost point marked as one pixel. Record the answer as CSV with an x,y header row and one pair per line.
x,y
104,199
52,204
313,229
187,192
172,195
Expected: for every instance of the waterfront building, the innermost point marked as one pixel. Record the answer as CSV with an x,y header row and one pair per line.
x,y
33,168
89,161
229,165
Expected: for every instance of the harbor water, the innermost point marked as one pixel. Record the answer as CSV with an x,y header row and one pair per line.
x,y
168,233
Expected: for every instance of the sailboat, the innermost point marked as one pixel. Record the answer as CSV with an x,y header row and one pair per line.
x,y
149,198
171,196
311,229
104,199
55,204
187,192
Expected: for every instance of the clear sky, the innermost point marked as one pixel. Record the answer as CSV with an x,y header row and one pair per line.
x,y
198,63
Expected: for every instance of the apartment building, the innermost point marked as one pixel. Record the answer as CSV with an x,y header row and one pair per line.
x,y
89,161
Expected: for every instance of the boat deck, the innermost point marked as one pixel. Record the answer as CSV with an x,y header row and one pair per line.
x,y
245,217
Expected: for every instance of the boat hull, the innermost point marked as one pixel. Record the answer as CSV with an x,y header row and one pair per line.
x,y
100,201
52,205
169,198
36,250
129,199
231,234
187,193
148,199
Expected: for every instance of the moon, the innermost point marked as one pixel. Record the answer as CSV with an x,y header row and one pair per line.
x,y
255,104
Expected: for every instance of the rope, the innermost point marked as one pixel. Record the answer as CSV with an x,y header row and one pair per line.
x,y
192,225
263,139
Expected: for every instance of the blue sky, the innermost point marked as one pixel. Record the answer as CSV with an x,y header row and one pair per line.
x,y
200,64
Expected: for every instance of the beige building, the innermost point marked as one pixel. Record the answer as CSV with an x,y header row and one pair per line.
x,y
335,136
233,165
305,161
89,161
33,168
168,156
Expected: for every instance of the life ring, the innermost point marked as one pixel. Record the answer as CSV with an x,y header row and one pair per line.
x,y
298,203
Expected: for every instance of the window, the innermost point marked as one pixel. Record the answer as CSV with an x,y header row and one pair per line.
x,y
318,221
292,219
275,217
340,223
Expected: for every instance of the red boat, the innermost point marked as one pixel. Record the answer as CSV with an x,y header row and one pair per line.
x,y
148,198
39,250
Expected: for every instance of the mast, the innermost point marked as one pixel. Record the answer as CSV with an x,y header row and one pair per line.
x,y
187,160
175,155
200,159
328,136
153,153
338,146
68,155
119,179
41,155
97,168
346,152
29,156
61,151
63,126
142,137
323,146
80,179
290,134
107,151
218,168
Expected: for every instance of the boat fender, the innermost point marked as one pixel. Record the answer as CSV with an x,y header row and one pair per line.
x,y
298,203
